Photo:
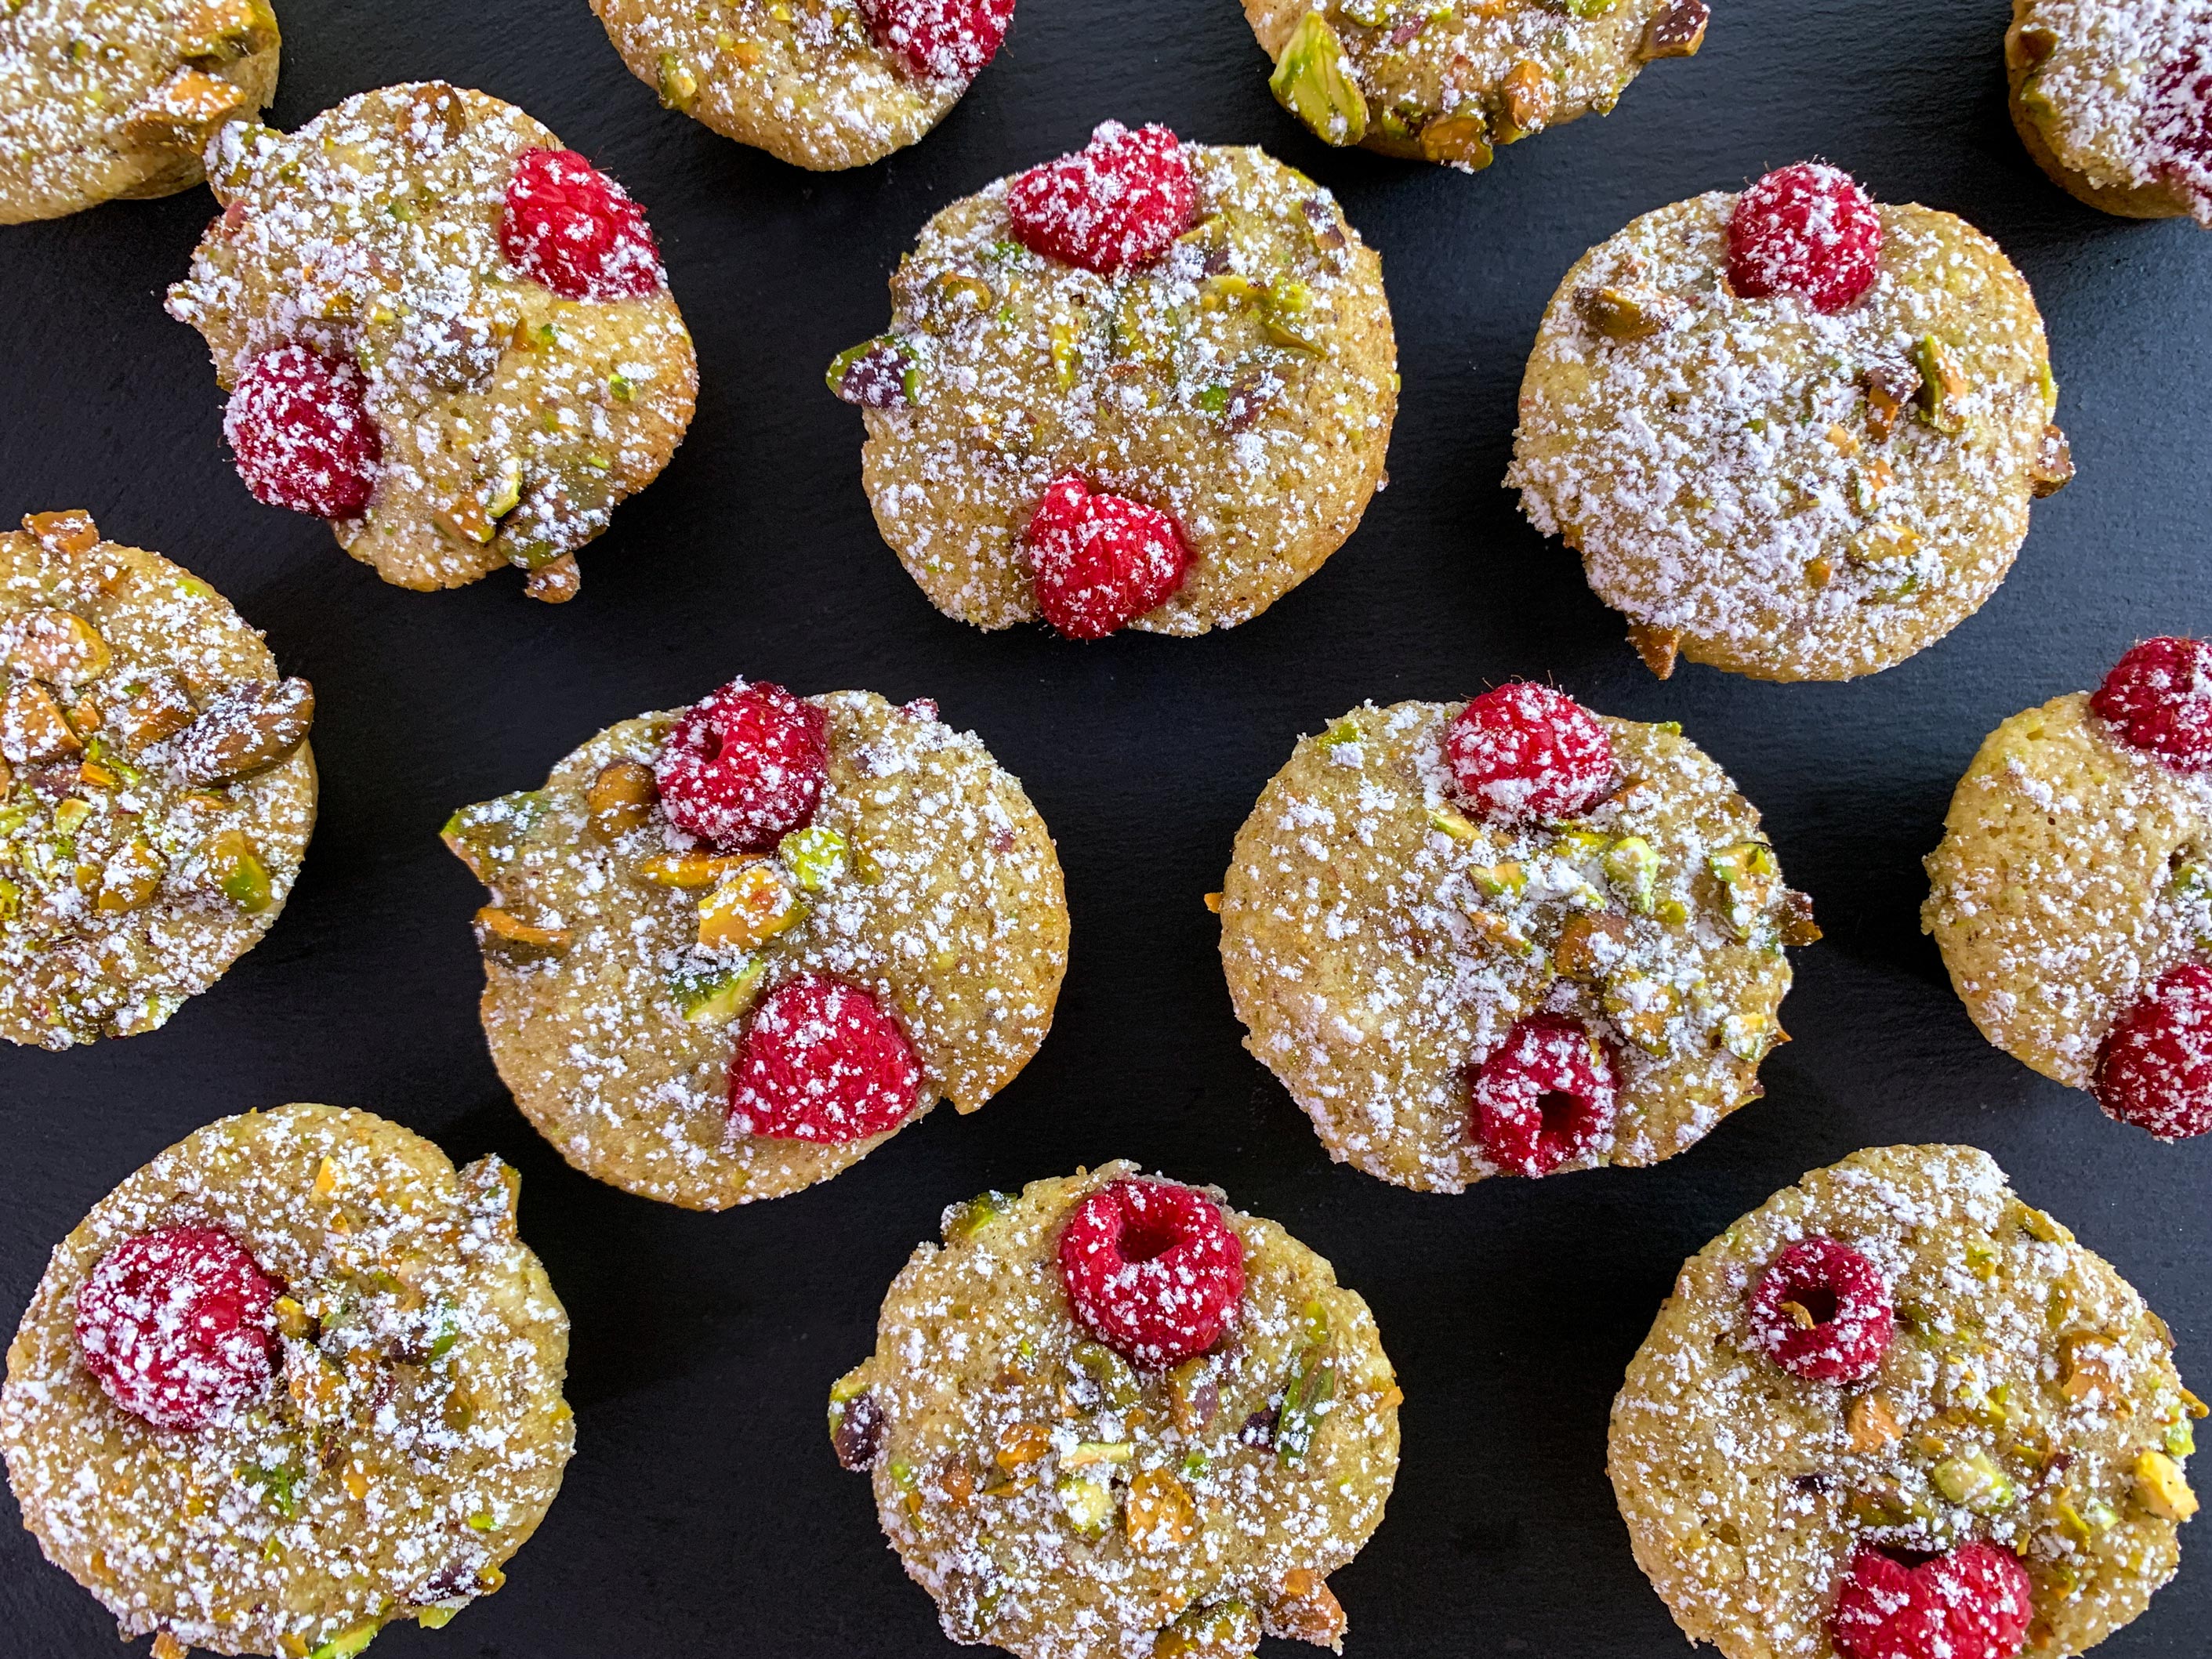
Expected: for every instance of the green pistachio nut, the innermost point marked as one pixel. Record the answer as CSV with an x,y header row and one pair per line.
x,y
1975,1482
1088,1504
1314,80
717,992
1307,1394
1116,1379
966,1220
1632,865
678,84
346,1643
816,857
1942,385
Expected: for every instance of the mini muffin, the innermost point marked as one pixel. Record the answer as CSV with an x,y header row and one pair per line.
x,y
1149,385
1436,83
101,99
295,1380
1507,937
2113,99
817,85
732,949
1793,434
2072,896
1114,1418
157,789
1895,1413
440,332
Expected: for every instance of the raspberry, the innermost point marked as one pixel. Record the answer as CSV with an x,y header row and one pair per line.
x,y
2159,697
947,39
2156,1068
298,424
2178,126
1120,201
1102,561
1525,751
570,227
1152,1270
1973,1603
177,1324
822,1063
745,767
1841,1293
1808,229
1543,1096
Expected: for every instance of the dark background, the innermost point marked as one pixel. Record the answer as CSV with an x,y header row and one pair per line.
x,y
704,1512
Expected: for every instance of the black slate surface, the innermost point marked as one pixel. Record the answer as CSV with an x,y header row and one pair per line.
x,y
704,1513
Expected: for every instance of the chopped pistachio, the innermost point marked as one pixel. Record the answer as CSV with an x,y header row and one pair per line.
x,y
1975,1482
1460,139
506,938
1115,1378
2161,1488
1592,945
1314,79
1632,865
1344,732
347,1642
1640,1008
816,857
715,993
1508,880
2180,1439
1452,824
1090,1454
238,871
1628,311
965,1220
2053,469
1871,1424
1942,385
1307,1393
1526,94
679,84
1677,29
750,908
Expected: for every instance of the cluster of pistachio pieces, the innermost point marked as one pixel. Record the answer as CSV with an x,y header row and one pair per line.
x,y
103,768
745,900
1318,75
195,101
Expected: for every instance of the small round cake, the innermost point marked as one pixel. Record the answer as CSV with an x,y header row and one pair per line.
x,y
818,86
295,1380
2072,894
1146,386
2113,99
102,99
1793,434
156,788
1114,1418
1895,1413
1507,937
732,949
440,332
1451,84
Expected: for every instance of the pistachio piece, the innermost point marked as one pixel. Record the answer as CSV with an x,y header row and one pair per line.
x,y
244,731
679,83
1797,925
1159,1514
1088,1505
487,835
1309,1390
1976,1482
2053,469
1590,8
1112,1375
1194,1395
32,728
1884,544
1460,139
750,908
876,373
234,865
693,870
965,1220
1592,945
1507,881
1677,29
185,110
816,857
1452,824
506,938
69,533
1870,1424
153,709
1324,222
1889,388
1223,1630
1314,80
556,581
132,879
1629,312
58,647
1525,96
1942,385
2161,1488
857,1424
1494,930
1304,1609
1656,646
716,993
1632,864
620,799
1639,1007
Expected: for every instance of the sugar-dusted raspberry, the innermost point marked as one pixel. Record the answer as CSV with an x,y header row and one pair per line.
x,y
1154,1270
1120,201
2177,126
1976,1602
745,767
2159,697
1102,561
1821,1311
822,1063
946,39
2155,1071
1525,751
178,1325
570,227
1807,229
1544,1096
298,424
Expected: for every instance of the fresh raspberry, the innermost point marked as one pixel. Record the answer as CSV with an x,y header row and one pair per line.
x,y
2178,126
1808,229
298,424
946,39
1842,1293
1102,561
1525,751
177,1324
1543,1096
570,227
745,767
1120,201
822,1063
2156,1068
1973,1603
2159,697
1152,1270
